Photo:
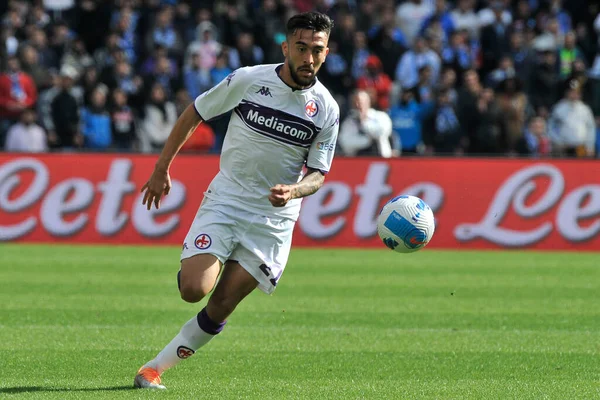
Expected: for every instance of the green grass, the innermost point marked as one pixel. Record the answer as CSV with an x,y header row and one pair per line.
x,y
77,322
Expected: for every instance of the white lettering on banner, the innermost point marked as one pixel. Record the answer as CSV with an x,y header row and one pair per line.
x,y
144,220
69,196
339,196
110,219
515,191
76,195
9,180
370,193
431,193
572,210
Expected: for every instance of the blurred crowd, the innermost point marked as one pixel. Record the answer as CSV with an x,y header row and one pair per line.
x,y
504,77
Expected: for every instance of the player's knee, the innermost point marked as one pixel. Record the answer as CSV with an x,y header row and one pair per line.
x,y
193,292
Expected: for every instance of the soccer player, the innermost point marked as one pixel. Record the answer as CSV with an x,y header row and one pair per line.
x,y
283,119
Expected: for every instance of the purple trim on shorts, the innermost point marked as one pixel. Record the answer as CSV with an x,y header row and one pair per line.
x,y
207,324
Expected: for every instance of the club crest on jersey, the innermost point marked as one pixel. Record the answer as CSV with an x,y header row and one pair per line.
x,y
202,241
184,352
311,108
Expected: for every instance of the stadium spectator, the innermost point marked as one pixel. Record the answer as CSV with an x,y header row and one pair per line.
x,y
26,135
514,107
195,78
336,75
159,117
206,46
407,121
488,136
407,71
376,83
494,41
442,133
544,83
245,53
360,55
410,16
442,16
221,69
47,58
535,141
464,18
166,75
366,131
457,54
424,90
17,93
568,54
521,56
77,57
88,82
387,41
164,34
496,12
95,120
448,82
64,110
30,64
572,124
123,124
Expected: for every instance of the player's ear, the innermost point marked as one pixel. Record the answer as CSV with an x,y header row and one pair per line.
x,y
284,48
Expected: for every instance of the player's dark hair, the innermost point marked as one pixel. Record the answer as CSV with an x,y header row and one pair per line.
x,y
312,20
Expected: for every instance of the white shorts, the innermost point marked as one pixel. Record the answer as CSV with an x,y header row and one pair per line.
x,y
260,244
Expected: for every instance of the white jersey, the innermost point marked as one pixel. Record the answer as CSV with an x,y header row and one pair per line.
x,y
274,131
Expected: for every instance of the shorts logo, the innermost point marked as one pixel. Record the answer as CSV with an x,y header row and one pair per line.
x,y
184,352
203,241
185,246
311,108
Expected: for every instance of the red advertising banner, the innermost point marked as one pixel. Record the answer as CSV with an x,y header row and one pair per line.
x,y
478,203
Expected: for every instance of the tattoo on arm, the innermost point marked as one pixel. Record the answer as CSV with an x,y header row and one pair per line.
x,y
312,181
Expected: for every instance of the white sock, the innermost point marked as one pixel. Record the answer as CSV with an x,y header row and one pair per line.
x,y
188,340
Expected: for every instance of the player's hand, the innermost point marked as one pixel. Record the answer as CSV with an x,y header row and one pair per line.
x,y
280,195
158,184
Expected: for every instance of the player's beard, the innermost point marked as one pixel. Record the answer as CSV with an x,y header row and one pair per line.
x,y
299,80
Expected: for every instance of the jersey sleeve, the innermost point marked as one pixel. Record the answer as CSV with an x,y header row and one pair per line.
x,y
225,96
320,155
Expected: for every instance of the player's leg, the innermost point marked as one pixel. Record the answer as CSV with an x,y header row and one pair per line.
x,y
208,244
196,279
235,284
198,276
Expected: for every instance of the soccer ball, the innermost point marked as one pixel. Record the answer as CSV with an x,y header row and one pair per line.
x,y
406,224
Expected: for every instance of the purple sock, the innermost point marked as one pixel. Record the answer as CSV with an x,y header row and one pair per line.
x,y
208,325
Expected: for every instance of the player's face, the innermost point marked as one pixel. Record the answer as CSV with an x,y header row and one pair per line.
x,y
305,51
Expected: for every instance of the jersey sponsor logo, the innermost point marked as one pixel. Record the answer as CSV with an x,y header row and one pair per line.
x,y
202,241
325,146
184,352
265,91
311,108
277,124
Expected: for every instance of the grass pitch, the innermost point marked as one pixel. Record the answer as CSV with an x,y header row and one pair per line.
x,y
77,322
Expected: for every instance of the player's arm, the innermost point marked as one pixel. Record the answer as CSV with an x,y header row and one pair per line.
x,y
216,101
160,181
310,183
